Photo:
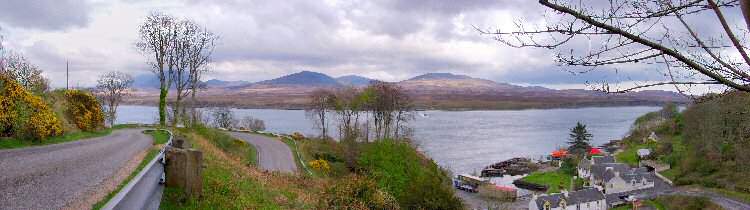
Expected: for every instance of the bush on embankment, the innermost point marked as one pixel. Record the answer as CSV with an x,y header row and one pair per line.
x,y
414,180
85,111
23,115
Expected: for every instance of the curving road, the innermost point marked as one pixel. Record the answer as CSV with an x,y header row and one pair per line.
x,y
53,176
272,153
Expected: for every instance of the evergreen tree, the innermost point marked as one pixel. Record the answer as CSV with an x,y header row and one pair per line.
x,y
579,140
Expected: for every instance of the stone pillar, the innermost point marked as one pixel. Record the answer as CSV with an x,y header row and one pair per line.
x,y
194,173
175,167
184,168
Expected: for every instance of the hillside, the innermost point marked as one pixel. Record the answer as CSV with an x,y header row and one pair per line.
x,y
305,78
354,80
430,91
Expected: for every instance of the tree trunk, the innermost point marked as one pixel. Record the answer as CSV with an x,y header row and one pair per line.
x,y
163,104
745,7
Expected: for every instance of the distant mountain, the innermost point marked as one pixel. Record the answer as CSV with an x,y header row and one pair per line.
x,y
439,76
146,81
433,90
445,83
222,84
303,78
354,80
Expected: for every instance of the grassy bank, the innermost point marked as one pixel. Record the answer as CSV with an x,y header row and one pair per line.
x,y
229,183
230,145
20,143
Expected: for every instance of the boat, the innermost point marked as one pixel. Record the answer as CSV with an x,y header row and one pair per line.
x,y
469,183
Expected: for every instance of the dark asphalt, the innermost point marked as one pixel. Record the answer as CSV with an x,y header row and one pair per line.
x,y
272,153
53,176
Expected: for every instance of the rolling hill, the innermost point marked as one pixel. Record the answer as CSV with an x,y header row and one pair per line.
x,y
432,90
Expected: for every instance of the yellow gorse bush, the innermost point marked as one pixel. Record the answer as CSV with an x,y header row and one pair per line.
x,y
23,115
320,164
298,136
85,110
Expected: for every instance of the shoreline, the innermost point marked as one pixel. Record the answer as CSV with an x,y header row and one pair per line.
x,y
419,110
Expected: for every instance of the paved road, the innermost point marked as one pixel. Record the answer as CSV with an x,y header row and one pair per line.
x,y
272,153
52,176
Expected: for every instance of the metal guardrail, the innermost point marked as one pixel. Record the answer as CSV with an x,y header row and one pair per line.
x,y
139,192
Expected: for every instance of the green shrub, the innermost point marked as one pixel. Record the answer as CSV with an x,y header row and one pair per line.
x,y
399,169
356,192
683,202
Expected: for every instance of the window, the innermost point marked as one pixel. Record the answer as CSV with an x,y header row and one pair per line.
x,y
547,205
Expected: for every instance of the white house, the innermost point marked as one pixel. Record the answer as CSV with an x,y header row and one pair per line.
x,y
582,199
618,177
584,167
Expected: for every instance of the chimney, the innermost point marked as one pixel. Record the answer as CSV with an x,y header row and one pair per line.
x,y
617,174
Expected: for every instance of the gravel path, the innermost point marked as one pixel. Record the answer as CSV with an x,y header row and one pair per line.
x,y
272,153
53,176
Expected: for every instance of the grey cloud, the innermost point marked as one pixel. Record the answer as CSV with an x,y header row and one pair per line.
x,y
45,14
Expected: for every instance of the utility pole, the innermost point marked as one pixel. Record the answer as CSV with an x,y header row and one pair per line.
x,y
67,76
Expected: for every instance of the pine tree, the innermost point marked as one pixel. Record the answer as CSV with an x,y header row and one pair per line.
x,y
579,140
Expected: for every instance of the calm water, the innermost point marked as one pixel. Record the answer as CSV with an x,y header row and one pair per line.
x,y
466,141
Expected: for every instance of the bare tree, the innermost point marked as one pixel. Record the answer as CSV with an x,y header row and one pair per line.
x,y
253,124
318,108
225,118
199,56
184,33
112,88
19,68
347,105
156,36
687,42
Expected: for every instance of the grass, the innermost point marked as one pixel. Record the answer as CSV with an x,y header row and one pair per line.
x,y
229,184
160,136
650,202
20,143
669,173
230,145
551,179
630,155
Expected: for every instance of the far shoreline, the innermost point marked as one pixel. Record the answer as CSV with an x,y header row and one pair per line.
x,y
444,110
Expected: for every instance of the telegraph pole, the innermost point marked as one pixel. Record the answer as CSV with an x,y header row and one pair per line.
x,y
67,76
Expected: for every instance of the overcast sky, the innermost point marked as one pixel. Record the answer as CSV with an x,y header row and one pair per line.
x,y
386,39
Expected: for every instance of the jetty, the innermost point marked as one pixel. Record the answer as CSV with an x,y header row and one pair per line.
x,y
514,166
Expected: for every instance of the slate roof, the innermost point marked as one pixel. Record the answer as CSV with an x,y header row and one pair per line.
x,y
585,163
575,197
627,173
603,159
600,172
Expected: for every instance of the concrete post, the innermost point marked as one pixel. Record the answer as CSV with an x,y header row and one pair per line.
x,y
175,167
184,168
194,173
